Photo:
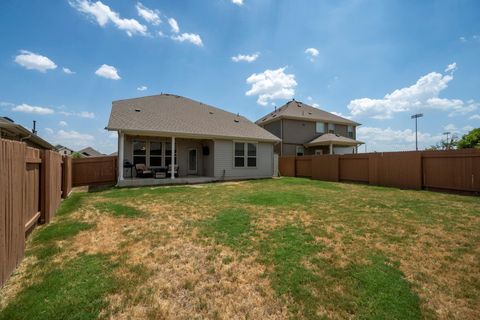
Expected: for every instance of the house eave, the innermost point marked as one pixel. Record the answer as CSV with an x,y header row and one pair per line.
x,y
188,135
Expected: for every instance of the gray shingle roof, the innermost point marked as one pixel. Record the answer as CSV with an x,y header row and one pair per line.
x,y
299,110
16,131
330,138
172,114
90,152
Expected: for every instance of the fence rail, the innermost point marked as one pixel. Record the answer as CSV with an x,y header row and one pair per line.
x,y
454,170
32,184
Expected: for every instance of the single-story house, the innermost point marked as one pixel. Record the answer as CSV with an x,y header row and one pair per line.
x,y
65,151
13,131
201,140
89,152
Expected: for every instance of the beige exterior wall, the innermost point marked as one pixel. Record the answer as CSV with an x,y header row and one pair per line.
x,y
224,161
297,132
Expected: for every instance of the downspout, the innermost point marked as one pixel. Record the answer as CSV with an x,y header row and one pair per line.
x,y
281,137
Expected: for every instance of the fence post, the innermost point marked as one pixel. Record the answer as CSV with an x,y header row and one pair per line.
x,y
45,194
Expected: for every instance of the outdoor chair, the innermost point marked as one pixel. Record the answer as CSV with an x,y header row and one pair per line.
x,y
142,171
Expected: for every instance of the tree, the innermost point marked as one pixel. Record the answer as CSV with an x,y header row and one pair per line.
x,y
470,140
76,155
446,144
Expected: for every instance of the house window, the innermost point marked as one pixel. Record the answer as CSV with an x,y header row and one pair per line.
x,y
320,127
168,154
299,150
245,155
155,154
331,128
318,152
139,152
252,155
350,131
239,154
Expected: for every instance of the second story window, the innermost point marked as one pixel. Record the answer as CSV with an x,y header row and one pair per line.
x,y
350,131
299,150
320,127
331,128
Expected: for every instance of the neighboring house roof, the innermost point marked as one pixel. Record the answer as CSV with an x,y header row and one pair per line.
x,y
59,147
300,111
90,152
114,153
11,130
173,115
330,138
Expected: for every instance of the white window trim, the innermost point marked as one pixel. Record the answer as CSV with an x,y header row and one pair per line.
x,y
147,159
318,152
245,154
161,156
316,127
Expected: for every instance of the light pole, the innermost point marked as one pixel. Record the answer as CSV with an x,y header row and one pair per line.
x,y
416,116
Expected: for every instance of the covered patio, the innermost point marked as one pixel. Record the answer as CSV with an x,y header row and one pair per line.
x,y
331,143
147,160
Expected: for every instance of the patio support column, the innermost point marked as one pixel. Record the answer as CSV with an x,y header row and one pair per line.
x,y
173,158
331,148
121,138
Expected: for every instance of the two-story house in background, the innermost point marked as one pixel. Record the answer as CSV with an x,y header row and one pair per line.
x,y
305,130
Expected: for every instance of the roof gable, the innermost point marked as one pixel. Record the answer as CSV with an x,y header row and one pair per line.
x,y
299,110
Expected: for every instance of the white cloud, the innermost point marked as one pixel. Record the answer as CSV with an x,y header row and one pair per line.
x,y
463,39
151,16
73,135
189,37
81,114
68,71
423,95
341,115
246,57
312,53
457,131
380,139
26,108
451,67
142,88
161,34
63,124
6,104
108,72
475,117
33,61
71,138
271,85
238,2
103,14
174,25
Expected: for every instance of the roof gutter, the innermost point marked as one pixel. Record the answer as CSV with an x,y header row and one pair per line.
x,y
189,135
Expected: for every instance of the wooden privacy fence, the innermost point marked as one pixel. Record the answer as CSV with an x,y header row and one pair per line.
x,y
94,171
457,170
32,182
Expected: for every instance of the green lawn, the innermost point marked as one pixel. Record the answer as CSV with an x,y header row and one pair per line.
x,y
286,248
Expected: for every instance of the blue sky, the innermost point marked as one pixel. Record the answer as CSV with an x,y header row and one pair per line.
x,y
378,62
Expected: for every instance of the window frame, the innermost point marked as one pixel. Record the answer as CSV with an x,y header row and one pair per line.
x,y
136,155
245,156
297,153
331,130
322,126
350,131
161,155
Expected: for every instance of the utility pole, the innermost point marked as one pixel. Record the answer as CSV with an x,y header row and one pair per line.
x,y
416,116
447,145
